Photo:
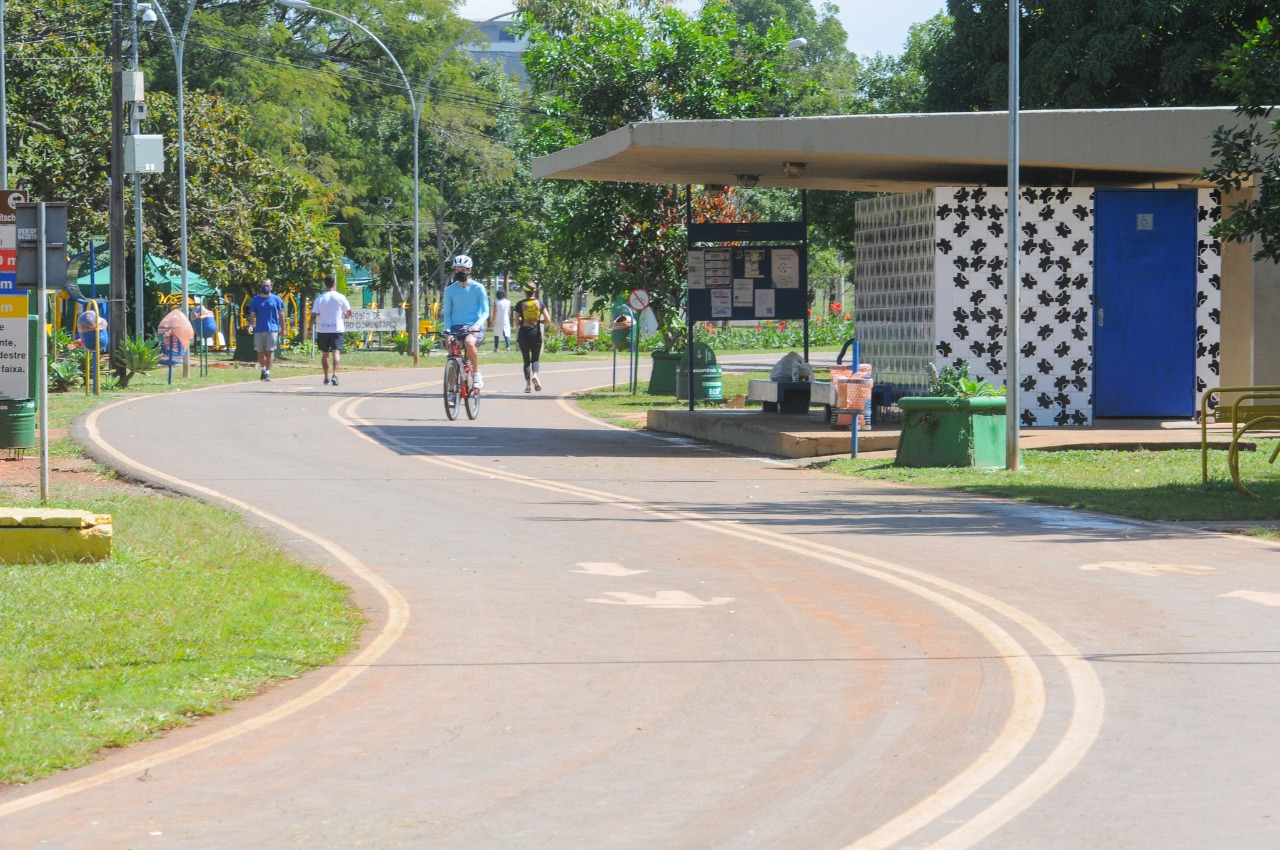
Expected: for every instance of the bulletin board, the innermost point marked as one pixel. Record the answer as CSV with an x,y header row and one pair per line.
x,y
748,280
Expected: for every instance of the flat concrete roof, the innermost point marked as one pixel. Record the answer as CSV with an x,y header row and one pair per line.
x,y
899,153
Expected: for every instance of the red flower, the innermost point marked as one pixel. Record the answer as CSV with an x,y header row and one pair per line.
x,y
836,307
759,328
782,324
846,317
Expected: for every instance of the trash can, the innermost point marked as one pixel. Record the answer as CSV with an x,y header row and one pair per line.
x,y
708,382
17,423
662,379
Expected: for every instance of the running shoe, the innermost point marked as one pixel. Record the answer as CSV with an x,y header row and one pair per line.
x,y
334,381
326,380
478,383
537,385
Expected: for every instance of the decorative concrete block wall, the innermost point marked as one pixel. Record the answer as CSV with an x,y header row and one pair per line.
x,y
965,318
895,287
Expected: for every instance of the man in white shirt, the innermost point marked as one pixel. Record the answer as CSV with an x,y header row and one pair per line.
x,y
328,313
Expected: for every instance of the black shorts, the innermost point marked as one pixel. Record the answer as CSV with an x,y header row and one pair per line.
x,y
329,342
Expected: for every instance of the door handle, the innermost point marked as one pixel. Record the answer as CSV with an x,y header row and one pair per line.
x,y
1101,320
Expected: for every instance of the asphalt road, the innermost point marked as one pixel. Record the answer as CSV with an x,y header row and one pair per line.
x,y
584,637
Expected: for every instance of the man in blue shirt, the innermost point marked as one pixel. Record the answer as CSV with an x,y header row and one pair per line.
x,y
266,319
465,310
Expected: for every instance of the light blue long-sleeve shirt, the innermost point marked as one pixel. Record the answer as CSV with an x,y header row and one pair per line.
x,y
465,305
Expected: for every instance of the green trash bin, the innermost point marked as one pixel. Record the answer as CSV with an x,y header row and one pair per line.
x,y
17,423
662,379
708,383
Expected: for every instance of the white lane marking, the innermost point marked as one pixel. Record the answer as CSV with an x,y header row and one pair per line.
x,y
1140,568
604,568
396,622
663,599
1259,596
1027,683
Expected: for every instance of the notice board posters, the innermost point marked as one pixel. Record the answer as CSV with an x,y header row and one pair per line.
x,y
747,283
15,348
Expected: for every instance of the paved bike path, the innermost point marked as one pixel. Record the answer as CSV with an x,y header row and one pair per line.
x,y
587,637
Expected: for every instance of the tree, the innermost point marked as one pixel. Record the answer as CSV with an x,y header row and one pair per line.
x,y
1250,74
1087,53
595,67
245,215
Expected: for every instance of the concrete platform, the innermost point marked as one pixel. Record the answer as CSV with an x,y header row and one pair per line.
x,y
810,435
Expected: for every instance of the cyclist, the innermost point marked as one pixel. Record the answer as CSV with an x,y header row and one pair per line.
x,y
466,307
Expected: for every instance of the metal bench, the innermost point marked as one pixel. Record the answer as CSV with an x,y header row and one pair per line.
x,y
1242,418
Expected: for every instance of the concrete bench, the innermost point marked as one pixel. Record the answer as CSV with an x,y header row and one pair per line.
x,y
789,396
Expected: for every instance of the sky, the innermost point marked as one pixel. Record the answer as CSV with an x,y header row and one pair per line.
x,y
873,25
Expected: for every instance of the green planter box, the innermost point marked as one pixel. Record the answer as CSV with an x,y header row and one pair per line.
x,y
951,432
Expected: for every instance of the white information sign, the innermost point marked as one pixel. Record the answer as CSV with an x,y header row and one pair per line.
x,y
387,319
765,304
695,271
14,347
718,267
742,289
722,303
786,268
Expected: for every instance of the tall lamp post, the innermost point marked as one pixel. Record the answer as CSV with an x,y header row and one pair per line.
x,y
149,13
422,101
305,5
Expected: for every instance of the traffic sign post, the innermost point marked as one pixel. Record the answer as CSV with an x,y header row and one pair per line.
x,y
638,300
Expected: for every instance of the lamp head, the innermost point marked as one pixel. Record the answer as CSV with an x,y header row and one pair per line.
x,y
797,43
794,170
148,16
748,181
294,4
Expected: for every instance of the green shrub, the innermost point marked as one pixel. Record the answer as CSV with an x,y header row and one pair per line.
x,y
138,355
953,382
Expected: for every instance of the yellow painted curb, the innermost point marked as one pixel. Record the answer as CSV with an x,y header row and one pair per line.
x,y
29,535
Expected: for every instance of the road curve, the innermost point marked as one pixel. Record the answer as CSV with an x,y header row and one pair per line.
x,y
585,637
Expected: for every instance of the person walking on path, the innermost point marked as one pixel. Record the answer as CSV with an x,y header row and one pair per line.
x,y
466,307
502,320
266,317
531,314
329,313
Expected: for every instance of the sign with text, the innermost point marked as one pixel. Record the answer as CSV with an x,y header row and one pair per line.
x,y
387,319
9,199
44,222
15,348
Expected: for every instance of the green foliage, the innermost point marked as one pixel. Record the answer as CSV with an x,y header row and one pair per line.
x,y
1087,53
956,382
65,373
1250,76
138,355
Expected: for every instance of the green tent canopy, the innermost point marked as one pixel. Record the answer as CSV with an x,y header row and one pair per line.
x,y
160,275
357,275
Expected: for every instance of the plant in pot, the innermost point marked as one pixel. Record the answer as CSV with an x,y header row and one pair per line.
x,y
960,423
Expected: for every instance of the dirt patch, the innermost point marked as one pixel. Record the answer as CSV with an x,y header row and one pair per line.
x,y
20,476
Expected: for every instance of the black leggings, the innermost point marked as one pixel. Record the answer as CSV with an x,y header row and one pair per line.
x,y
530,342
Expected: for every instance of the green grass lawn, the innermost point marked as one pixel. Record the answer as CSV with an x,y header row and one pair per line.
x,y
194,609
1158,485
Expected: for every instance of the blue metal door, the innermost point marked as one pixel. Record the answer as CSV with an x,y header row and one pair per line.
x,y
1144,312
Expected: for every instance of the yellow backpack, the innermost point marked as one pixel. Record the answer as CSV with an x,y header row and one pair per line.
x,y
531,310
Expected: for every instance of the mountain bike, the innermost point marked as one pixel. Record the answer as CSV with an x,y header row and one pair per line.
x,y
459,380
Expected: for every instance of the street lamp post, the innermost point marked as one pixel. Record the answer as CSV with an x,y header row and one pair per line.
x,y
149,13
304,5
426,88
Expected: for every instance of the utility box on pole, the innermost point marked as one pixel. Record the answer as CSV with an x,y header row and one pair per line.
x,y
144,154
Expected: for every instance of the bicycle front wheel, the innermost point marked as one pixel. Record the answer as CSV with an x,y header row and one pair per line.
x,y
452,388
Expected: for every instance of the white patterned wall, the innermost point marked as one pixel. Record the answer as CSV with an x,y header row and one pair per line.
x,y
1208,290
1055,365
1055,296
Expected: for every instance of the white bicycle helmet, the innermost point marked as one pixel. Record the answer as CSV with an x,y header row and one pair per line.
x,y
462,261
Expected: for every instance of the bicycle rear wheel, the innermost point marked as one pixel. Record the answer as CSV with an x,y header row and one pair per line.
x,y
452,387
472,397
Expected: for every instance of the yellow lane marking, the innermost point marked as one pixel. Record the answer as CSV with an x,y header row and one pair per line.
x,y
397,620
1028,694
